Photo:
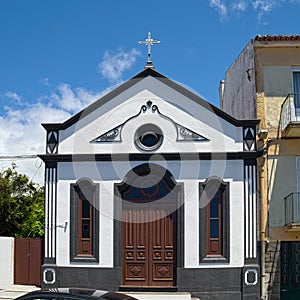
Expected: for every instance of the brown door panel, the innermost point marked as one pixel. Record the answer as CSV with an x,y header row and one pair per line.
x,y
28,260
148,247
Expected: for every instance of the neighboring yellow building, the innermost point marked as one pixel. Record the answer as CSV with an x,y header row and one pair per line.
x,y
264,83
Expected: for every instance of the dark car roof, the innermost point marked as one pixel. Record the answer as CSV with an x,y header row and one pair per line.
x,y
75,293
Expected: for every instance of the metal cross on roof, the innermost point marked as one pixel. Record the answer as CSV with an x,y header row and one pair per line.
x,y
149,42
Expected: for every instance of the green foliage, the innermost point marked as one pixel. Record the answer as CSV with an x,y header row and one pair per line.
x,y
21,205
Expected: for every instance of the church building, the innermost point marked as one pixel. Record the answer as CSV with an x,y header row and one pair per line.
x,y
151,188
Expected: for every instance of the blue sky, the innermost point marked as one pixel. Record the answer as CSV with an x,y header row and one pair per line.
x,y
57,56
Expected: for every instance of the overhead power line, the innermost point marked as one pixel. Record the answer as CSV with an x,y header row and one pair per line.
x,y
16,157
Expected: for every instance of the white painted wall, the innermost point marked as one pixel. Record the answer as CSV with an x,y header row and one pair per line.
x,y
105,225
6,262
221,136
190,173
191,242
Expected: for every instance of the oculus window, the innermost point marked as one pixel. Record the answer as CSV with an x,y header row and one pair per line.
x,y
148,137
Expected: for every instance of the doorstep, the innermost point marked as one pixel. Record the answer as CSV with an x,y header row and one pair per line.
x,y
160,295
16,291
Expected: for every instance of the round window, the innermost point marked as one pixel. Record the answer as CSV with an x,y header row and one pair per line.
x,y
148,137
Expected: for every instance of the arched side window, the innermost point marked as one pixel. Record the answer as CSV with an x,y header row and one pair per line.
x,y
84,223
214,220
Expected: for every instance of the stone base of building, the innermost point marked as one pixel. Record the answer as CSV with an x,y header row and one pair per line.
x,y
206,284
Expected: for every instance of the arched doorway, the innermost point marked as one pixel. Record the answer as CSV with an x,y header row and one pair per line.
x,y
149,200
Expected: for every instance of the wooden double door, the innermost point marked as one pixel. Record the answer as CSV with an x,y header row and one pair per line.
x,y
149,250
27,261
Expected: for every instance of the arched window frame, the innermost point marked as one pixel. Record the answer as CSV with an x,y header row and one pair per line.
x,y
81,192
212,247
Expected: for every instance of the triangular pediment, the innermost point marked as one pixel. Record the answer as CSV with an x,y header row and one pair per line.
x,y
148,72
186,121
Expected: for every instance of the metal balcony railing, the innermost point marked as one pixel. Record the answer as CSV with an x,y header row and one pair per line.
x,y
292,208
289,113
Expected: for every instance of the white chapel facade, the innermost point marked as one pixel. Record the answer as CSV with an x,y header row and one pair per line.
x,y
152,188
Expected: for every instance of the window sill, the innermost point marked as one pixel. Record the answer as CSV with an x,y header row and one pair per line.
x,y
214,259
82,258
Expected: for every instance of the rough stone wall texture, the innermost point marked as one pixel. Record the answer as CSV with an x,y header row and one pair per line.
x,y
272,271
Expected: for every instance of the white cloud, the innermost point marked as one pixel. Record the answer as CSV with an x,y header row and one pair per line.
x,y
114,64
72,100
220,7
240,6
44,81
226,8
264,6
21,132
13,96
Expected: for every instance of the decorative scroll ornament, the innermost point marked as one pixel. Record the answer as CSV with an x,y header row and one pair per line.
x,y
110,136
114,135
184,134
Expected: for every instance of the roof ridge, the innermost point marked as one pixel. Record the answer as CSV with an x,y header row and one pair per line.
x,y
277,37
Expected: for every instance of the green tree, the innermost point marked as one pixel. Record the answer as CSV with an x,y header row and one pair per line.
x,y
21,205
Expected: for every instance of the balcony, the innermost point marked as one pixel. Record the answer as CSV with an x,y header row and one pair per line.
x,y
290,117
292,212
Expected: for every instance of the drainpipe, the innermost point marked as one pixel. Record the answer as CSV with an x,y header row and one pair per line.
x,y
262,164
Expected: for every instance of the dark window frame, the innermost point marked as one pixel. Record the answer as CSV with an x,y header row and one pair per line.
x,y
204,218
76,194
